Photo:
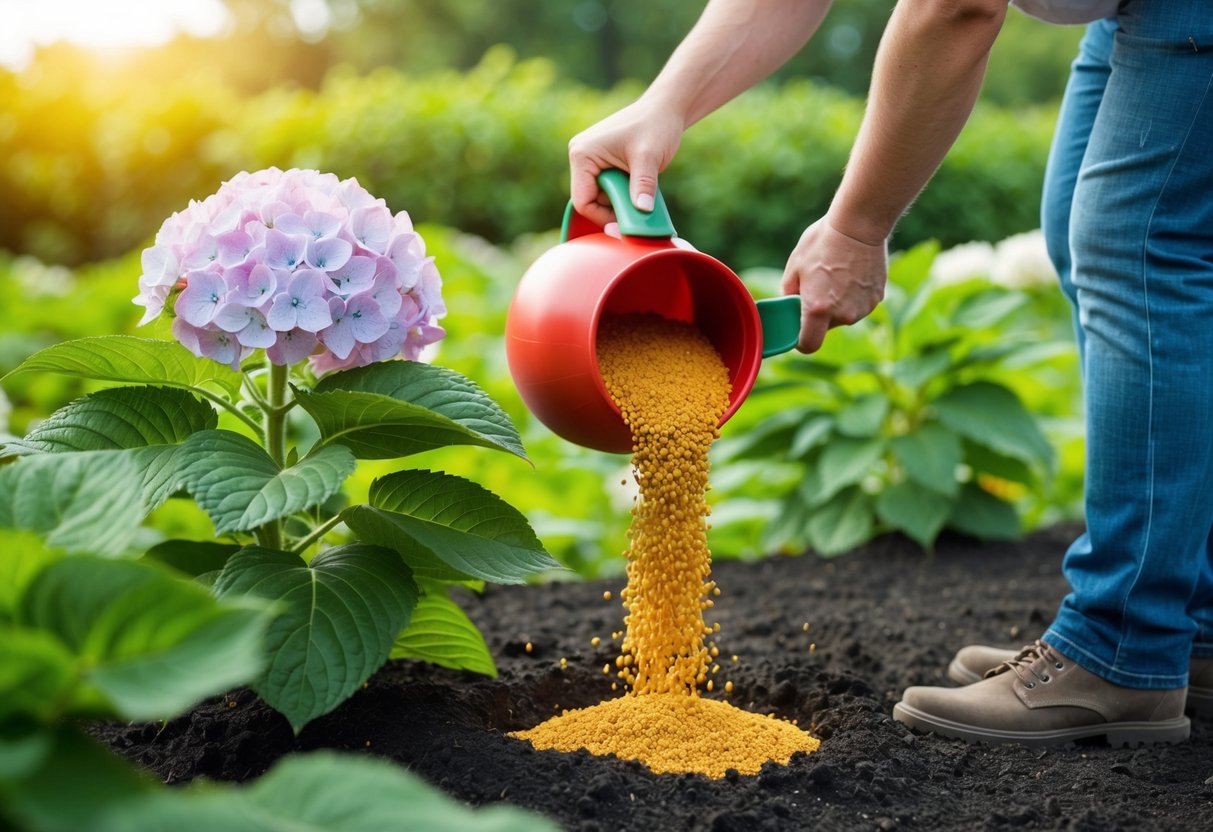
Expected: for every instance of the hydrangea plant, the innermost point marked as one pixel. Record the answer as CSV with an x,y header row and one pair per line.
x,y
297,263
274,280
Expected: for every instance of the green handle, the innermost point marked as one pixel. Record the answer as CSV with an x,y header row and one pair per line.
x,y
780,324
632,221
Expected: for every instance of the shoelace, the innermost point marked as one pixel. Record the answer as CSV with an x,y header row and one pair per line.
x,y
1027,662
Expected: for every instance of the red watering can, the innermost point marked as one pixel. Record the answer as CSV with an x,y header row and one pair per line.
x,y
552,328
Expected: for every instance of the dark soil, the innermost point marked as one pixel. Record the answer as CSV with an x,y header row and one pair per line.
x,y
881,618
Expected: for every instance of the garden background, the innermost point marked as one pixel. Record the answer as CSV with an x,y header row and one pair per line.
x,y
954,407
459,113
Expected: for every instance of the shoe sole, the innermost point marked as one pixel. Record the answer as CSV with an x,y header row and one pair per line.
x,y
1116,733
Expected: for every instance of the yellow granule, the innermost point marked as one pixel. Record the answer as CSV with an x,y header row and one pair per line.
x,y
672,388
673,733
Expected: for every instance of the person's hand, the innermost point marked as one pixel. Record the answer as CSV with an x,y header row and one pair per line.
x,y
839,280
640,139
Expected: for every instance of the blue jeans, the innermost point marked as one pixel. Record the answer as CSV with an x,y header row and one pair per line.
x,y
1128,219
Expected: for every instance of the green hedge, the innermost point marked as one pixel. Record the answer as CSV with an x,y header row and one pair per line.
x,y
484,151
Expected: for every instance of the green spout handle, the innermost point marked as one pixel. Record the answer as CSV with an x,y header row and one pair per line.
x,y
780,324
632,221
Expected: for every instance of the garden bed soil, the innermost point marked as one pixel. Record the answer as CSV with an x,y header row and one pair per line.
x,y
880,619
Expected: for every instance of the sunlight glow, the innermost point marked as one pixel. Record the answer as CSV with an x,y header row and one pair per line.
x,y
101,24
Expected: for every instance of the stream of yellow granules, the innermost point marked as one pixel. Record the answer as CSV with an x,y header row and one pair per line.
x,y
672,388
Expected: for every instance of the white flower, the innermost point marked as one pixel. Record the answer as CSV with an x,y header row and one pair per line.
x,y
969,261
1022,262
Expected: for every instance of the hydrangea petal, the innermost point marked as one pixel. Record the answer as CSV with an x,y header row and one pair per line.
x,y
200,299
339,337
283,251
372,226
355,276
367,321
292,347
328,254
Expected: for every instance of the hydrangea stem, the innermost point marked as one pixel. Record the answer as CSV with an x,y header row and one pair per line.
x,y
270,535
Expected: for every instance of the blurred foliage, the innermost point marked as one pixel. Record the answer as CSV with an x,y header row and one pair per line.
x,y
484,151
603,42
909,421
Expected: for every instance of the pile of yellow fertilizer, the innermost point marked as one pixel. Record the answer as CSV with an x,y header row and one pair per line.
x,y
672,389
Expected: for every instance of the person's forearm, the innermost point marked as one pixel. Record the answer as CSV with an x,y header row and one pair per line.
x,y
734,45
927,75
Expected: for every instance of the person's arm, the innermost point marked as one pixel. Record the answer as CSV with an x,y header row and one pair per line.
x,y
928,71
734,45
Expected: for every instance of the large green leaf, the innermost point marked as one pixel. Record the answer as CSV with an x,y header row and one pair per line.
x,y
988,308
193,557
237,483
122,417
22,555
148,644
74,785
317,792
930,456
88,501
992,415
35,671
841,524
917,511
396,408
983,515
338,617
448,528
441,633
863,417
845,461
134,361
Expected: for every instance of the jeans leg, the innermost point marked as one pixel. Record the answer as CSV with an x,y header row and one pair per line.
x,y
1141,238
1084,92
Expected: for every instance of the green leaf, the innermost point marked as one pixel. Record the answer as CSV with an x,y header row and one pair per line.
x,y
769,438
88,501
919,369
442,634
317,792
930,456
35,671
397,408
981,514
240,487
23,748
133,361
992,415
192,557
863,417
76,785
22,555
918,512
988,308
338,617
842,524
148,644
983,460
448,528
810,435
122,417
846,461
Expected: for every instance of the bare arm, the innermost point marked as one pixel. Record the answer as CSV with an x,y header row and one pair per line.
x,y
927,75
926,79
734,45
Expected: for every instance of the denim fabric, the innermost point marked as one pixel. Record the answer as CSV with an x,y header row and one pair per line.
x,y
1128,216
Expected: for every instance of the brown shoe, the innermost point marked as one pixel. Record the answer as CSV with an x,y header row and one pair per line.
x,y
972,662
1200,686
1041,697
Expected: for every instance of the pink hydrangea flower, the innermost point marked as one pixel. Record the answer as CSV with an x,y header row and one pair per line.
x,y
298,263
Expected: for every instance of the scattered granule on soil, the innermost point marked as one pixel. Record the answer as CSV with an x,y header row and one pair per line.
x,y
673,733
672,388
